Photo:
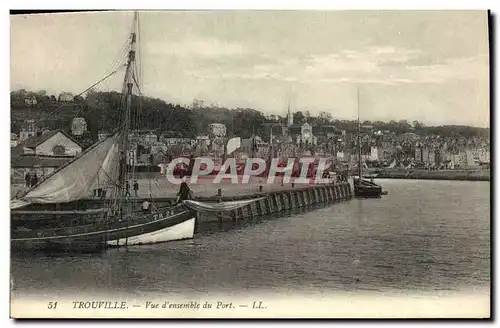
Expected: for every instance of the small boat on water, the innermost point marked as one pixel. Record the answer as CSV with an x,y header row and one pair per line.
x,y
364,188
367,189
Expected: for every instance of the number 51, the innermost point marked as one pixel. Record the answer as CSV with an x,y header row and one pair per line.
x,y
52,305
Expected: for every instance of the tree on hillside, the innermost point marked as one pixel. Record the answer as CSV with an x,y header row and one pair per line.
x,y
247,121
299,117
103,111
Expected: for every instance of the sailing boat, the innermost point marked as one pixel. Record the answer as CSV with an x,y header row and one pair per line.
x,y
364,188
117,222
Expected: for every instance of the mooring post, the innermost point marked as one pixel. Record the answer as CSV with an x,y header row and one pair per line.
x,y
219,194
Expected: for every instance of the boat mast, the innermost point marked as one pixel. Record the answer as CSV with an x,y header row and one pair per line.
x,y
127,87
359,137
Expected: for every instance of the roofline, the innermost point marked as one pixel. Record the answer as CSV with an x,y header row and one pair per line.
x,y
57,131
34,166
47,156
70,137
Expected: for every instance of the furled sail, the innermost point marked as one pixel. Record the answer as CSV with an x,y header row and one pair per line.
x,y
96,168
218,207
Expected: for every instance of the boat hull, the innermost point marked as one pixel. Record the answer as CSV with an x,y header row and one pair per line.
x,y
367,192
39,220
183,230
168,224
366,189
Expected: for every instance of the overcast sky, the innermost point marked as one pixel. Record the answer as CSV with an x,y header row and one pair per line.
x,y
429,66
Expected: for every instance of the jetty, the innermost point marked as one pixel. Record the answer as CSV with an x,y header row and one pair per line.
x,y
270,199
277,199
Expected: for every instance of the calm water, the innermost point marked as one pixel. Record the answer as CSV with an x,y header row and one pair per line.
x,y
424,235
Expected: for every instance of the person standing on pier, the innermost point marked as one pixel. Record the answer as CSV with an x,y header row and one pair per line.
x,y
184,193
33,179
127,189
27,178
136,188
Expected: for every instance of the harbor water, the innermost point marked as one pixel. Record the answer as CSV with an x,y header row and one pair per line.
x,y
423,236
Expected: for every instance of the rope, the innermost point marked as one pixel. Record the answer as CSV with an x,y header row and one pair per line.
x,y
81,93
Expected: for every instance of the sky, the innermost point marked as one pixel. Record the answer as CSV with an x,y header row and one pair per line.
x,y
430,66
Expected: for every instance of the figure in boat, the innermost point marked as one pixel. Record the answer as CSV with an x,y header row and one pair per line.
x,y
184,193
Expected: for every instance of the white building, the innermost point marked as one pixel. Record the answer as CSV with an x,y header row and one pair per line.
x,y
472,158
419,154
145,138
66,96
132,156
203,140
53,143
428,156
373,154
149,138
78,126
30,101
217,130
14,140
25,135
28,130
179,141
302,134
307,135
480,155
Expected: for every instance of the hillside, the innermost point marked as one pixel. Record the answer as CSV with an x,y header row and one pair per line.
x,y
101,110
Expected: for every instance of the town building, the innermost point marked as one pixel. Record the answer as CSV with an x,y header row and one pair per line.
x,y
253,146
78,126
132,158
217,130
159,147
53,143
42,166
217,145
429,156
374,154
30,101
301,134
178,141
145,138
14,140
419,157
66,96
28,130
203,140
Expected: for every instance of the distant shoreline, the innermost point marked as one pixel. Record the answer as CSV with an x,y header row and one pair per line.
x,y
479,175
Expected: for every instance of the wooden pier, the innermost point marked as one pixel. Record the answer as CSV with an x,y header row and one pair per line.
x,y
273,198
278,201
